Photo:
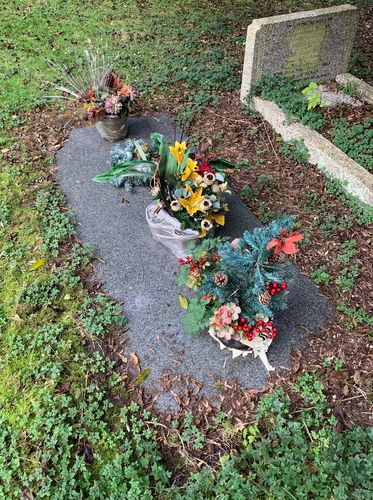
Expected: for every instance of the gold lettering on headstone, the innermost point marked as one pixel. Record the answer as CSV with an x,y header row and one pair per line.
x,y
305,42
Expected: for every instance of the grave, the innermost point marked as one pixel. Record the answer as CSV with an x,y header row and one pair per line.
x,y
140,272
311,45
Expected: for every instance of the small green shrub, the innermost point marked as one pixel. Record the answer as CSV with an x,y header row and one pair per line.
x,y
320,276
356,141
99,313
81,256
55,223
41,293
349,251
296,150
347,277
313,94
361,212
349,88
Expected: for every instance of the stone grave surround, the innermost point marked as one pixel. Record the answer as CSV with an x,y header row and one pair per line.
x,y
310,45
142,273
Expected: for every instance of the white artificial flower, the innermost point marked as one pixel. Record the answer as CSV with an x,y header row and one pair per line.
x,y
215,188
175,206
206,225
206,204
224,188
209,178
197,181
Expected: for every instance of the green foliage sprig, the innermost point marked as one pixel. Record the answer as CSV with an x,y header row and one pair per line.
x,y
314,96
287,94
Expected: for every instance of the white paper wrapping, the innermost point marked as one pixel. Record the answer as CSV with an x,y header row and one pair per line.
x,y
166,230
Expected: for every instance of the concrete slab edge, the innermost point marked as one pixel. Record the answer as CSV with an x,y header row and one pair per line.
x,y
363,89
325,155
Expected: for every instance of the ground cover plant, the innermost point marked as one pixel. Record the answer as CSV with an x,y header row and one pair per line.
x,y
349,128
74,417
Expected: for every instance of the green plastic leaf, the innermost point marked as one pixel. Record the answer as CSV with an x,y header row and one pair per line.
x,y
140,150
130,168
157,141
219,164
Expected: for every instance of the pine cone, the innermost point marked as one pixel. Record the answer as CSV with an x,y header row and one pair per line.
x,y
265,298
281,257
220,279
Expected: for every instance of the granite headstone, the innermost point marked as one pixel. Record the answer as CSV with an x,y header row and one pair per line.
x,y
310,45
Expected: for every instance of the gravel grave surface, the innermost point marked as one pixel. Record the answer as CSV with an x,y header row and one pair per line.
x,y
142,274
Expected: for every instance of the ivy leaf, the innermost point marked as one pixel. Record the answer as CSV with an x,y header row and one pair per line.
x,y
183,302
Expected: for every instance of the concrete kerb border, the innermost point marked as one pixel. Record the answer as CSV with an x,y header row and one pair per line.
x,y
325,155
363,90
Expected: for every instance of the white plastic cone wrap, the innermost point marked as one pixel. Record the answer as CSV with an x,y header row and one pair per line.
x,y
166,230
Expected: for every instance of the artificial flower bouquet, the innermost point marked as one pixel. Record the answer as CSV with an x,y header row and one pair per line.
x,y
188,187
238,286
105,97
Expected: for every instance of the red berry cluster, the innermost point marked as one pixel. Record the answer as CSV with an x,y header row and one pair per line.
x,y
251,331
193,264
198,264
274,288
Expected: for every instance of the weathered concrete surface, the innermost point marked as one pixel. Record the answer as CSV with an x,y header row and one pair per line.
x,y
323,153
310,45
143,273
363,89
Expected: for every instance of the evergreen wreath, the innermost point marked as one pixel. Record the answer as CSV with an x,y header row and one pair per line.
x,y
238,286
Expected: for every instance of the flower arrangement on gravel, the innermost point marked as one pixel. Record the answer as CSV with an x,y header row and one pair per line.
x,y
100,91
188,184
239,285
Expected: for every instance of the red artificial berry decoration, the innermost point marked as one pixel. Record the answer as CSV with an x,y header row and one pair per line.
x,y
284,285
273,292
243,320
274,334
274,329
269,323
268,287
275,284
260,322
239,328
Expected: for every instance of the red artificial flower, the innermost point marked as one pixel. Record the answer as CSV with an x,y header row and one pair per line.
x,y
204,167
90,95
125,90
284,243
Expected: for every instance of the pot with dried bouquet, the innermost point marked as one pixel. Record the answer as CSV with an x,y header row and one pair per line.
x,y
105,97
